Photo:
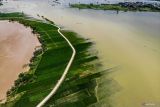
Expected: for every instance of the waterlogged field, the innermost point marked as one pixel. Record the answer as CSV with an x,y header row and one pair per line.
x,y
46,67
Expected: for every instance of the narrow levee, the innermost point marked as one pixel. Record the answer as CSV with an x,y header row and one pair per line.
x,y
60,81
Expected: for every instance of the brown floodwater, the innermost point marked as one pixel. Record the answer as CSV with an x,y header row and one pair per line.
x,y
130,40
17,44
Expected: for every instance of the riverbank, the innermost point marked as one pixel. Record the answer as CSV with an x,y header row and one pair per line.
x,y
122,6
48,64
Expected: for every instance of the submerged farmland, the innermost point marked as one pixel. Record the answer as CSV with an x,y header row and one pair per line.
x,y
48,64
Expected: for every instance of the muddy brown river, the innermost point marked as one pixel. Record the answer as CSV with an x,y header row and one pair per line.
x,y
130,40
17,45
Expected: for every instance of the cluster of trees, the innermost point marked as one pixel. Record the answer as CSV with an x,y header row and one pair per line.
x,y
47,20
38,52
26,77
34,58
139,5
23,78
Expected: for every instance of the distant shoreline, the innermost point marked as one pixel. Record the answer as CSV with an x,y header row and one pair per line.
x,y
122,6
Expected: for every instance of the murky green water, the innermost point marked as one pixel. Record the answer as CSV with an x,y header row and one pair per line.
x,y
129,40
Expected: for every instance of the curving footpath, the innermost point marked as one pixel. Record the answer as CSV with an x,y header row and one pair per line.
x,y
60,81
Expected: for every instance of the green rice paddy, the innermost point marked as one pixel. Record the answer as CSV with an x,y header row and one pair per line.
x,y
48,64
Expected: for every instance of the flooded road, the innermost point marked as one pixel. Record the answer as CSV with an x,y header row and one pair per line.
x,y
130,40
17,45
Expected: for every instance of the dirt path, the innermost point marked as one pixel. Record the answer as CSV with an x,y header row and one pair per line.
x,y
60,81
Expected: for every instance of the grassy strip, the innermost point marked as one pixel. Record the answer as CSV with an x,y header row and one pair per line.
x,y
49,63
9,15
116,7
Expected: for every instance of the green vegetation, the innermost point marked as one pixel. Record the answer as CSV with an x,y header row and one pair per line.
x,y
3,16
98,7
48,64
116,7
